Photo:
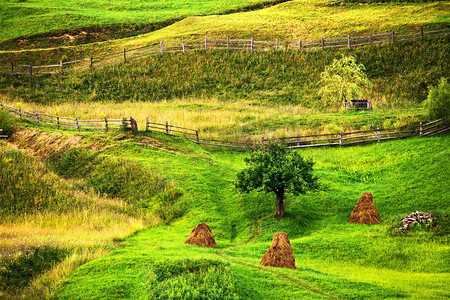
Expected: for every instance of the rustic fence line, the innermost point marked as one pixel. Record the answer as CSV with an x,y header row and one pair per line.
x,y
318,140
67,122
298,141
224,44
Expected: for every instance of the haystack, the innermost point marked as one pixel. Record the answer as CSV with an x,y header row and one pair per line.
x,y
280,253
365,211
201,235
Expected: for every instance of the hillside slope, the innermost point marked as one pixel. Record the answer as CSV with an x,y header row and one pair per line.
x,y
335,259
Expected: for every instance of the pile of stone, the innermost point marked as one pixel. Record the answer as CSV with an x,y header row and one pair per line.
x,y
416,218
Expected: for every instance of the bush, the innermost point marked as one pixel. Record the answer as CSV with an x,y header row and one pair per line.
x,y
20,265
191,279
6,122
76,163
438,101
27,186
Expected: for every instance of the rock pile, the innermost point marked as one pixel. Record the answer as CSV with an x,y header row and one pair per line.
x,y
415,218
201,235
365,211
280,253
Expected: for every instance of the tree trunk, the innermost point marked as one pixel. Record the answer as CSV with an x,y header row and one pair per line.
x,y
280,206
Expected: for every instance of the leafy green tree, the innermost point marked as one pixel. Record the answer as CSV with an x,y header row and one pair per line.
x,y
278,170
438,101
343,79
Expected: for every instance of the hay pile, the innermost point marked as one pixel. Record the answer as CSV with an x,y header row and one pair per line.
x,y
201,235
365,211
280,253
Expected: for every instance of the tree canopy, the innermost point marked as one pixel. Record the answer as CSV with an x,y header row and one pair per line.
x,y
278,170
342,80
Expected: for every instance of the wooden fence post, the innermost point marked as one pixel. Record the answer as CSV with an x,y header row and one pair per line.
x,y
182,45
420,129
91,64
340,139
252,41
124,55
77,124
277,45
167,127
370,38
196,137
228,42
299,44
378,135
106,123
160,47
146,124
298,140
12,68
133,125
206,43
323,43
61,70
31,69
20,113
57,122
37,116
393,37
348,41
421,31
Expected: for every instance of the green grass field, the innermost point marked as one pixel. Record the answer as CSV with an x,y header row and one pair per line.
x,y
104,215
30,17
336,259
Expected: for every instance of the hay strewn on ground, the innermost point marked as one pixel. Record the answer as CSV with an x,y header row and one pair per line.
x,y
365,211
201,235
280,253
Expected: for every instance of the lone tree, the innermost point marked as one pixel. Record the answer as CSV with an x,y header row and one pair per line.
x,y
278,170
341,80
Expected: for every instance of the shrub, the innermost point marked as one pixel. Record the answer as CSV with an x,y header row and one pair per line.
x,y
438,101
20,265
26,185
76,163
191,279
6,122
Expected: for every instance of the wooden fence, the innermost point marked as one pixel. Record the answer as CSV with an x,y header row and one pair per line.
x,y
298,141
225,44
318,140
66,122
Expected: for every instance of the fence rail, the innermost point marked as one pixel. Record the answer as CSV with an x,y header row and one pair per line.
x,y
224,44
298,141
318,140
66,122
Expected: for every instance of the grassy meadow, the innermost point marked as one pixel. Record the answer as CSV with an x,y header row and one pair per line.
x,y
32,18
104,214
335,259
286,21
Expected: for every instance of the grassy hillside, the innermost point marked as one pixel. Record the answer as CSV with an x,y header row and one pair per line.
x,y
99,19
272,89
335,259
402,175
287,21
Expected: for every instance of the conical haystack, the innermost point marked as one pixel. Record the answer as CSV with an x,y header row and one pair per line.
x,y
365,211
201,235
280,253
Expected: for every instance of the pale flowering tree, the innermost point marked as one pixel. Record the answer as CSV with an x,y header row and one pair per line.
x,y
344,79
